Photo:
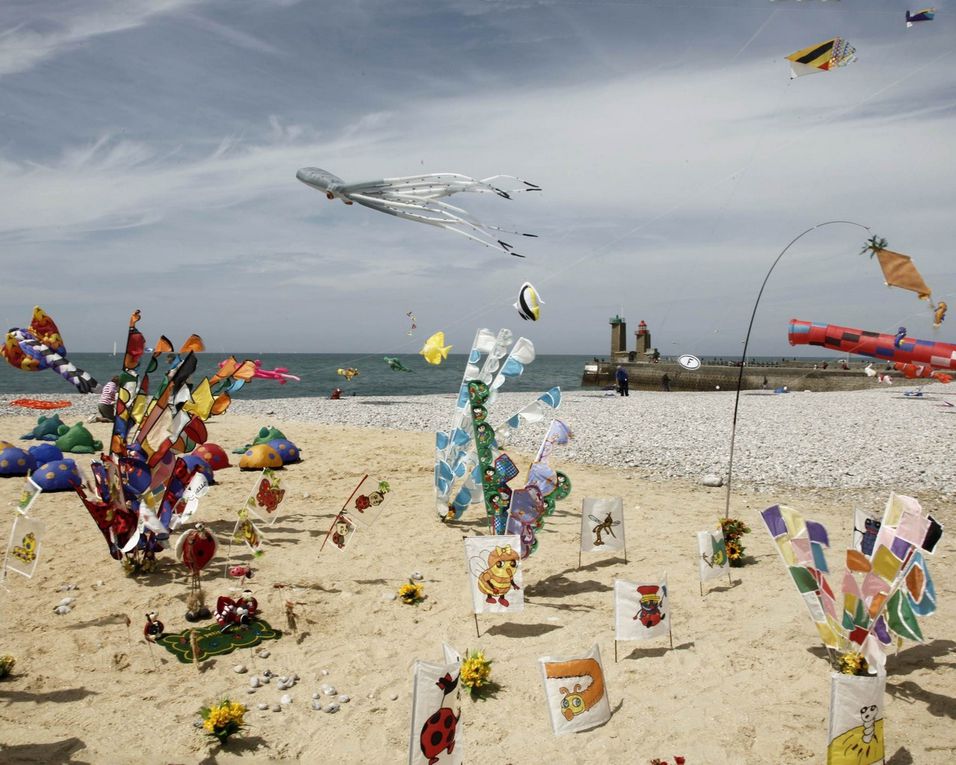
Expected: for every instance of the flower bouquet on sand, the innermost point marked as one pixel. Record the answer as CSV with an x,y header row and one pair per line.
x,y
223,720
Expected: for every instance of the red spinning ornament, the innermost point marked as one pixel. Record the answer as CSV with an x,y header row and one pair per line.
x,y
196,547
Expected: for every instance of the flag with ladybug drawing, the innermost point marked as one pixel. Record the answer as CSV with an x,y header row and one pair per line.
x,y
23,550
267,494
641,610
436,712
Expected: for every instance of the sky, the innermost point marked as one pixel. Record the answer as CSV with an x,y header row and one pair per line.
x,y
148,151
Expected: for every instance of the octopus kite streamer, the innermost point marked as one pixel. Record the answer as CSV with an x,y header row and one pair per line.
x,y
418,198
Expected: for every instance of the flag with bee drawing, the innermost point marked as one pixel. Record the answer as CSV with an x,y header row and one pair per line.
x,y
246,532
712,554
267,494
856,720
602,524
494,566
23,550
641,610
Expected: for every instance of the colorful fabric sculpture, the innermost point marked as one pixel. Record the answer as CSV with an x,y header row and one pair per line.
x,y
47,429
57,475
288,452
927,14
885,592
40,346
348,374
395,365
214,455
44,453
77,440
418,198
259,457
266,434
469,464
33,403
14,461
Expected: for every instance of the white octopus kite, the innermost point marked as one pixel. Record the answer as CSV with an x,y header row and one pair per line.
x,y
418,198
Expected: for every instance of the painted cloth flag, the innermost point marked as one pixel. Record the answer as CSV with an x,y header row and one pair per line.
x,y
494,567
641,610
575,692
865,529
23,549
602,524
267,494
247,532
189,502
436,712
341,531
712,554
367,505
856,720
28,496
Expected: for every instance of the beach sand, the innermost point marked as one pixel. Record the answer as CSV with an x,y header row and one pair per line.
x,y
747,680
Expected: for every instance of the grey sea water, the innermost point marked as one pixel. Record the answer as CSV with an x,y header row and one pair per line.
x,y
318,373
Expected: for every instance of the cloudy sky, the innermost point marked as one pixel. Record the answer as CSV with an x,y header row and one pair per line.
x,y
148,151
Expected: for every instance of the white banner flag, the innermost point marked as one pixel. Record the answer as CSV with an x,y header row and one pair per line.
x,y
641,610
494,568
602,524
436,712
577,697
712,555
856,720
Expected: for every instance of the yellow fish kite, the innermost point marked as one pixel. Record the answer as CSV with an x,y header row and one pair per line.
x,y
435,349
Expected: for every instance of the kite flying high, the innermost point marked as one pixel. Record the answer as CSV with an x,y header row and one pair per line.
x,y
418,198
821,57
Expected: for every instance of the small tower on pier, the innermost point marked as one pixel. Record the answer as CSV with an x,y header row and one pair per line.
x,y
642,339
618,336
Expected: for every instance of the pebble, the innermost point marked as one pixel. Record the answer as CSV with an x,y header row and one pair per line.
x,y
266,678
286,699
394,697
67,602
250,690
712,479
324,672
685,436
262,705
388,596
240,669
267,673
306,495
317,705
344,699
62,610
264,654
417,576
276,707
329,690
332,708
316,695
253,682
295,677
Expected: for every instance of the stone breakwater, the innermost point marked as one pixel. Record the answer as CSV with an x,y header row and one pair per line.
x,y
876,439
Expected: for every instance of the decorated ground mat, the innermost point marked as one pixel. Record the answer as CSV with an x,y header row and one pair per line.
x,y
212,642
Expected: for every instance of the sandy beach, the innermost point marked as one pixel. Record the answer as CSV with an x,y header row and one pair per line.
x,y
746,682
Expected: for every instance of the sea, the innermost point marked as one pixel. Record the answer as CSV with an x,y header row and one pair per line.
x,y
319,373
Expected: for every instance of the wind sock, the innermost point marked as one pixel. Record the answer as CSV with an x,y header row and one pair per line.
x,y
877,345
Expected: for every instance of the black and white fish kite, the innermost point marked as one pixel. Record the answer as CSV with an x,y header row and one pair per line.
x,y
529,302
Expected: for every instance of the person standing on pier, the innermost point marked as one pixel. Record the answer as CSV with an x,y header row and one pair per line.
x,y
621,377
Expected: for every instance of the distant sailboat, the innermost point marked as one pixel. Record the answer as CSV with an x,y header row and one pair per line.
x,y
114,347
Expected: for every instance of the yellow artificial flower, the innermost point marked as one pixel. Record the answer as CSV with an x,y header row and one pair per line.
x,y
412,593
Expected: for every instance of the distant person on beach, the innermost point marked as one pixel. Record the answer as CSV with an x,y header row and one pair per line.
x,y
621,377
336,394
666,382
106,407
765,382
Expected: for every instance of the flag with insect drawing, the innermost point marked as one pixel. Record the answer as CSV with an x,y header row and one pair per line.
x,y
28,496
641,610
341,531
856,720
436,711
494,568
246,532
602,524
575,692
23,549
712,555
368,501
267,494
